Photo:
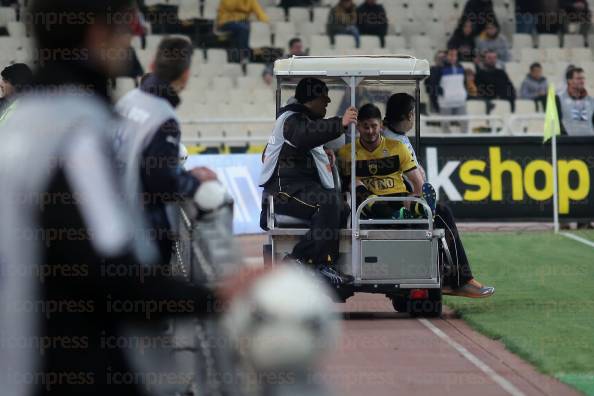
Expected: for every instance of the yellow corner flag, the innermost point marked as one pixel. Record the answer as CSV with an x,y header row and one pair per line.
x,y
551,124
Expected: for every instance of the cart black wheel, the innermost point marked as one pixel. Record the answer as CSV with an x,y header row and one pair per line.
x,y
400,303
429,308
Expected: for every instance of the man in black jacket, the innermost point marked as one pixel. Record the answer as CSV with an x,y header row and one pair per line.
x,y
493,82
297,173
372,20
148,145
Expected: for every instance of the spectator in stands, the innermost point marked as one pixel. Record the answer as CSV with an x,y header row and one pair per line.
x,y
494,83
295,49
527,12
342,19
479,12
286,4
15,80
471,87
491,40
448,83
297,173
576,11
155,161
373,20
534,86
233,17
575,106
430,83
463,40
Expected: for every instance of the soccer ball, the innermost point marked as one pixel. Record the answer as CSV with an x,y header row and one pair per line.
x,y
285,322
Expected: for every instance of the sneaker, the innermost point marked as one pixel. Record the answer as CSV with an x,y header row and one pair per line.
x,y
334,277
430,196
472,289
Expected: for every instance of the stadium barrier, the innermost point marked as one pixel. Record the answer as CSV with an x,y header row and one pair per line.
x,y
492,178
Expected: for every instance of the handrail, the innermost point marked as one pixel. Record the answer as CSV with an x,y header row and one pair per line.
x,y
507,126
359,221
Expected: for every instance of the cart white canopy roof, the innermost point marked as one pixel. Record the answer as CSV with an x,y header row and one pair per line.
x,y
399,66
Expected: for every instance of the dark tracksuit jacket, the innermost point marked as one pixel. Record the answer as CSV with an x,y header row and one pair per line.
x,y
163,179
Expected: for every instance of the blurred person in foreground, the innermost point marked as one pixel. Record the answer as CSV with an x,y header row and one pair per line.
x,y
297,173
74,263
575,106
147,146
373,147
16,79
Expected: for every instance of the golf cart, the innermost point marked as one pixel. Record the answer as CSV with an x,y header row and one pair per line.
x,y
402,259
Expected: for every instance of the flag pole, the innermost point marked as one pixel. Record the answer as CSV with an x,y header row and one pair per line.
x,y
555,190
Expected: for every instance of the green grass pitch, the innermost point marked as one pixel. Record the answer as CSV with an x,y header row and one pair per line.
x,y
543,309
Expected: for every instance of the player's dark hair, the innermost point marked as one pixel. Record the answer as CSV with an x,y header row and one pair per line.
x,y
535,65
369,112
399,107
174,57
572,71
63,24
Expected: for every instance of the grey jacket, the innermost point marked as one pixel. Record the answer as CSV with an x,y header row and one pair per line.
x,y
499,45
532,89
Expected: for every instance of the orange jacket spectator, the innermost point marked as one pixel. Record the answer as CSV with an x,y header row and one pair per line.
x,y
239,11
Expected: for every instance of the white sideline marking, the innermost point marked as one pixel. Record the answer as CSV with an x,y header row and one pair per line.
x,y
505,384
577,238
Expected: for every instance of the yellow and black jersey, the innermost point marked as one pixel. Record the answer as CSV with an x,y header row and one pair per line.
x,y
381,170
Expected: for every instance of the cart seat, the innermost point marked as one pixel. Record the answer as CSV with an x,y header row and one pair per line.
x,y
285,221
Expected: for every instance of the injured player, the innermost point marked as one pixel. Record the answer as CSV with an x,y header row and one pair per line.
x,y
388,168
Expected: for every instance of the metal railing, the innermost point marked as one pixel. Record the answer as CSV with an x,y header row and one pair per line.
x,y
497,125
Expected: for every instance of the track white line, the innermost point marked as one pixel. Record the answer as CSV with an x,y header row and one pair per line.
x,y
577,238
498,379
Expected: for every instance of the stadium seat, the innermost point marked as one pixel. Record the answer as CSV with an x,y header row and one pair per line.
x,y
254,70
500,108
216,56
522,40
342,42
189,9
283,32
395,42
529,55
525,106
210,9
320,44
260,35
553,54
573,41
476,107
248,84
299,14
370,42
579,55
7,14
418,43
17,29
548,41
224,84
320,14
276,14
